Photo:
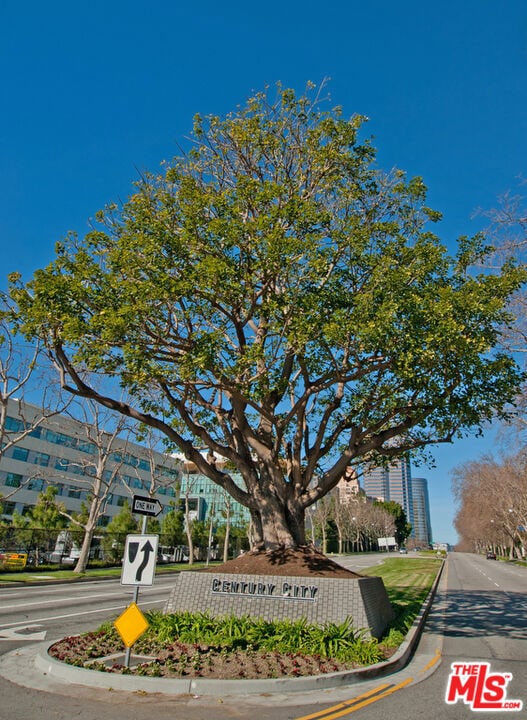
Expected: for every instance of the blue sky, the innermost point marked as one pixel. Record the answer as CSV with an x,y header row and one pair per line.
x,y
95,92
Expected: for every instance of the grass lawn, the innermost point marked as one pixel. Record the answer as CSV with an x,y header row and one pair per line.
x,y
407,581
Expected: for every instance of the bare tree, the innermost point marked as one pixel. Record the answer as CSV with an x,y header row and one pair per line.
x,y
102,436
492,500
24,371
150,446
320,516
507,231
189,514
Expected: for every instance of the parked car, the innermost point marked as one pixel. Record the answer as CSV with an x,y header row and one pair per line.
x,y
491,556
403,551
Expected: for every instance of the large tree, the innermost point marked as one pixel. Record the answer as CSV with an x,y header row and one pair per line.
x,y
276,298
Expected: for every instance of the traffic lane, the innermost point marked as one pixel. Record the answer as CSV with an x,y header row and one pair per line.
x,y
68,592
70,610
482,624
486,610
83,703
474,572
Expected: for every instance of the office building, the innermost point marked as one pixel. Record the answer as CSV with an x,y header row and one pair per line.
x,y
61,451
420,519
391,483
208,500
395,483
348,486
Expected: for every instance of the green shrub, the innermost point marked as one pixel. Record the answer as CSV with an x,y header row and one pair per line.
x,y
340,641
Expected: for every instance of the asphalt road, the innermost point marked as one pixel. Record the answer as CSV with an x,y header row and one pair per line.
x,y
479,615
52,611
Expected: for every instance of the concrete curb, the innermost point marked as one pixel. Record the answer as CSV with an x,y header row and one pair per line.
x,y
206,686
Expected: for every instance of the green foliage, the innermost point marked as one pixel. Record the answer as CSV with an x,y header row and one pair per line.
x,y
276,297
173,528
408,582
338,641
122,523
119,526
47,513
200,532
403,527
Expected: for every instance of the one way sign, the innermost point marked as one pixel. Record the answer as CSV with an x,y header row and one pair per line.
x,y
146,506
139,562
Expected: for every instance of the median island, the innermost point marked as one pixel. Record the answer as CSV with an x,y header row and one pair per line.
x,y
187,644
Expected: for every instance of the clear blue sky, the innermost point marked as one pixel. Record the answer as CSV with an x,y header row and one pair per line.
x,y
95,92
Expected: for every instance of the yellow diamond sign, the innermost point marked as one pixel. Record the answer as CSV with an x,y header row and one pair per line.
x,y
131,624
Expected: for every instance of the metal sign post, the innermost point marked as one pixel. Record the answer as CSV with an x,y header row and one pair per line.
x,y
140,553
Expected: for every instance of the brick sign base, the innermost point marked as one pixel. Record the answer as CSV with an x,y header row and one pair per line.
x,y
317,599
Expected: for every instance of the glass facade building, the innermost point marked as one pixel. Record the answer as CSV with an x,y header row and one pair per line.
x,y
422,526
396,483
207,500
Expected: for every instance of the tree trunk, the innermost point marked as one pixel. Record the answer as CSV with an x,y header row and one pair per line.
x,y
84,556
227,532
188,529
277,526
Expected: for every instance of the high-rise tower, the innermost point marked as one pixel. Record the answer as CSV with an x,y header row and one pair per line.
x,y
422,527
391,483
396,483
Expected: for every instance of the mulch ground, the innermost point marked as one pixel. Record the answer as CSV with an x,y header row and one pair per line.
x,y
295,562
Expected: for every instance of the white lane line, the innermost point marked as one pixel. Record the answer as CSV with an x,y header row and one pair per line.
x,y
37,621
118,592
81,598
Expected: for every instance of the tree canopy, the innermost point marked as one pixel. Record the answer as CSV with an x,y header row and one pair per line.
x,y
274,297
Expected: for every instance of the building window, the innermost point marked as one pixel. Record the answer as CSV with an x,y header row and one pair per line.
x,y
37,485
20,453
13,424
13,479
60,439
41,459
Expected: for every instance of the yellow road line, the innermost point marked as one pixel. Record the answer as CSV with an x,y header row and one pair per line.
x,y
346,708
323,713
433,661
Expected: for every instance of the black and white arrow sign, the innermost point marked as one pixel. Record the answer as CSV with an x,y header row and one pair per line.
x,y
139,561
146,506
